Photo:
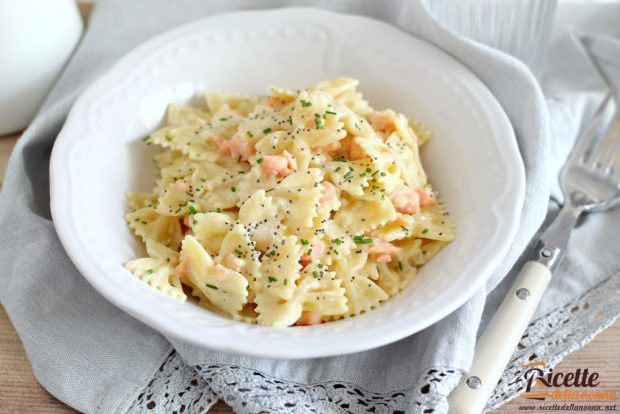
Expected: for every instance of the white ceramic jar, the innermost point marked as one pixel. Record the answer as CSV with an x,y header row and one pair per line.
x,y
37,38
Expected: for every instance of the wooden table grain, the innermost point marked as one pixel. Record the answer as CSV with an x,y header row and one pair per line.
x,y
21,393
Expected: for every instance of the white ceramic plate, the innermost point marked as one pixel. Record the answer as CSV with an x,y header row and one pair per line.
x,y
473,161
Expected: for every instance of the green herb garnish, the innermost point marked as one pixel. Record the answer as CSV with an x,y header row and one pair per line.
x,y
266,130
192,209
146,138
318,121
305,104
211,286
315,274
272,279
259,160
425,231
249,134
150,271
362,240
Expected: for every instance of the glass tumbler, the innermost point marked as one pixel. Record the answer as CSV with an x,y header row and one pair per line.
x,y
518,27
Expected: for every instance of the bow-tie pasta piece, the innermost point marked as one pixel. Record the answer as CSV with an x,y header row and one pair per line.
x,y
159,274
225,288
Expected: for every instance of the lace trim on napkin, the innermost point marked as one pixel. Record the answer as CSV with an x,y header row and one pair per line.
x,y
178,388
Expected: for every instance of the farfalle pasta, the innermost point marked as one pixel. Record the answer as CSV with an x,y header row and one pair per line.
x,y
297,208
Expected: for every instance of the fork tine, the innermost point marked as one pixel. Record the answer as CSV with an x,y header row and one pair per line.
x,y
592,134
612,166
603,154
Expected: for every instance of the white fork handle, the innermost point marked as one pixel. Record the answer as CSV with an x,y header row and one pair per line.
x,y
500,339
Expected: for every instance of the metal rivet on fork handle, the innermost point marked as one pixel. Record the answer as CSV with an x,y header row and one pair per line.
x,y
473,382
523,294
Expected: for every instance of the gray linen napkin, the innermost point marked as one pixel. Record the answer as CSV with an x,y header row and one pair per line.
x,y
94,357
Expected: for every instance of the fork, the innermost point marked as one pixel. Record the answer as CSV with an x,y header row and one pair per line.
x,y
590,181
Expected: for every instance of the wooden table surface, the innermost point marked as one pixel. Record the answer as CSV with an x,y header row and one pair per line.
x,y
21,393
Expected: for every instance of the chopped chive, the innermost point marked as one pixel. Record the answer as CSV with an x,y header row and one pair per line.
x,y
211,286
305,104
315,274
238,252
233,189
304,242
340,159
249,134
150,271
331,113
272,253
168,137
320,265
224,119
259,160
218,210
425,231
383,174
266,130
285,282
318,121
337,169
362,240
400,265
192,209
146,138
271,189
272,279
375,173
404,228
337,241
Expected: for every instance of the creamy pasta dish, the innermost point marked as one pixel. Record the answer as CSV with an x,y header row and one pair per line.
x,y
297,208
